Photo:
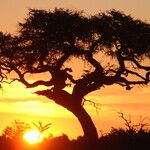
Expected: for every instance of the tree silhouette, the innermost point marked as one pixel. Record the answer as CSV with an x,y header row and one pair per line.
x,y
16,129
41,128
115,47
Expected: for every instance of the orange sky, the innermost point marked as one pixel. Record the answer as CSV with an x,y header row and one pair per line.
x,y
16,102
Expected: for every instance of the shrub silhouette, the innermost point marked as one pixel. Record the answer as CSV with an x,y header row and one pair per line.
x,y
132,137
15,130
127,138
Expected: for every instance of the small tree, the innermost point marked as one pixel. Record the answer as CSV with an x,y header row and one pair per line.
x,y
16,129
40,127
115,47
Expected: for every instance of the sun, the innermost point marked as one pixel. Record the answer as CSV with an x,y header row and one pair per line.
x,y
33,136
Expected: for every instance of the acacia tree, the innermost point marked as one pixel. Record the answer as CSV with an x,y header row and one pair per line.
x,y
115,47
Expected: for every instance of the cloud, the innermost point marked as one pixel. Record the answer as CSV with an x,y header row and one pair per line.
x,y
116,90
34,108
25,99
128,106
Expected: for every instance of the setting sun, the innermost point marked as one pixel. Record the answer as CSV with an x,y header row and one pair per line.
x,y
33,136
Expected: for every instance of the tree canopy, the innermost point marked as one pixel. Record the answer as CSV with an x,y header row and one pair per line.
x,y
47,39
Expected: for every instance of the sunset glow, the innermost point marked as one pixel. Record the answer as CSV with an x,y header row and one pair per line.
x,y
33,137
20,103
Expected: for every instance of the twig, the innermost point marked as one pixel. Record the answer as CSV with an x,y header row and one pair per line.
x,y
95,105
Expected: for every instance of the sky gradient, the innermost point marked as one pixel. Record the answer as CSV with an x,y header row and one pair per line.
x,y
16,102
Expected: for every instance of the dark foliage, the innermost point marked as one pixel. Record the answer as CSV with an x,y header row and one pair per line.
x,y
117,139
131,137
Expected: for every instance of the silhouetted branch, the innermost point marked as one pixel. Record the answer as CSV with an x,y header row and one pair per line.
x,y
147,68
95,105
135,73
128,121
141,126
42,127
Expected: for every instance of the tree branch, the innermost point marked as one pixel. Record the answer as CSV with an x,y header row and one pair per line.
x,y
134,73
146,68
145,80
91,102
30,85
121,63
61,60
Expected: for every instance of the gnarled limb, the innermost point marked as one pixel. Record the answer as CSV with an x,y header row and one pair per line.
x,y
70,102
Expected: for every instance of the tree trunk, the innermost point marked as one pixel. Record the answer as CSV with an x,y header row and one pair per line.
x,y
69,102
89,129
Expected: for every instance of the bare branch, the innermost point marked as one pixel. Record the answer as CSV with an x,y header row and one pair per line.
x,y
135,73
42,127
95,105
30,85
128,121
134,127
95,63
147,68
